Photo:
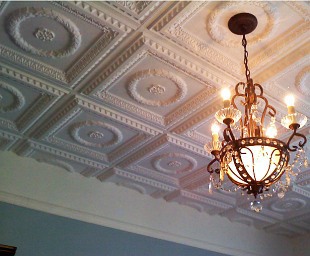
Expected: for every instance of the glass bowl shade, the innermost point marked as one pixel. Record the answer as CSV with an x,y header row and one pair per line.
x,y
254,163
230,112
289,119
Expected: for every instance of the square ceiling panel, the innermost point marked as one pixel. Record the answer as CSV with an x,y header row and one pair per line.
x,y
92,135
202,29
53,38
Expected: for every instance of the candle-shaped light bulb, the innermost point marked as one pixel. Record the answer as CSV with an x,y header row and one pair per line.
x,y
215,136
225,93
290,103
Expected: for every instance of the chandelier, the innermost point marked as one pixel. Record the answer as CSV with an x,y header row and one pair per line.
x,y
249,154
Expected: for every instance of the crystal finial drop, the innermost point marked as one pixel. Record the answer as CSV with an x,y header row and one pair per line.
x,y
256,206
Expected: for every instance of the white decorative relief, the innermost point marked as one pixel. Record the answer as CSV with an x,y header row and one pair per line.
x,y
31,80
188,163
134,6
38,108
145,74
75,133
32,64
266,11
44,34
279,47
131,107
76,148
87,7
18,100
19,16
154,175
288,205
66,155
156,89
144,180
114,115
302,81
96,135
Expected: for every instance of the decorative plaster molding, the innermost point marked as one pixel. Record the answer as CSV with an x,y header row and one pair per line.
x,y
190,106
204,51
143,180
154,175
76,148
137,10
128,147
8,135
288,205
302,81
279,46
186,145
116,138
87,7
157,163
94,51
153,117
68,112
118,62
223,36
32,64
18,98
136,7
301,191
91,172
196,119
254,215
19,16
200,73
33,113
170,14
65,155
301,8
30,80
155,145
8,124
109,113
145,74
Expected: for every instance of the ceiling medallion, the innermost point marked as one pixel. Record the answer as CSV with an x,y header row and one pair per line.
x,y
249,154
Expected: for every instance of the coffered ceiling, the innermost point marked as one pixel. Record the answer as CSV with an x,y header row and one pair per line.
x,y
126,92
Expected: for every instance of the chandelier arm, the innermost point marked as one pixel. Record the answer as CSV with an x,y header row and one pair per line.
x,y
238,94
272,111
260,88
301,143
237,88
209,167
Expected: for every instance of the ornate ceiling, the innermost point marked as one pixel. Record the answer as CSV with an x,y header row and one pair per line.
x,y
126,92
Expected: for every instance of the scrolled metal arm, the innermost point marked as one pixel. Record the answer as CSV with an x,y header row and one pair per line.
x,y
301,143
209,167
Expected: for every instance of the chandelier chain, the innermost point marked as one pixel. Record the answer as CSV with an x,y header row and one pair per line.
x,y
247,70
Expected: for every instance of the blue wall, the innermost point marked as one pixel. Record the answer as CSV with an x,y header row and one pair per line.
x,y
40,234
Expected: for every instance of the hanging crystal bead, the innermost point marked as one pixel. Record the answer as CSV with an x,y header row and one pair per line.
x,y
256,206
211,185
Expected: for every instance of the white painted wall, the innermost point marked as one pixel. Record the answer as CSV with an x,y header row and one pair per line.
x,y
25,182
